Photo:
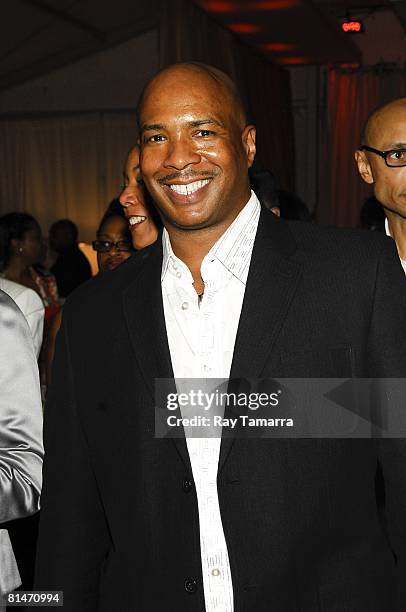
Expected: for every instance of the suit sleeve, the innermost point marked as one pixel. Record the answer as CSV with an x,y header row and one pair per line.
x,y
21,448
387,359
73,536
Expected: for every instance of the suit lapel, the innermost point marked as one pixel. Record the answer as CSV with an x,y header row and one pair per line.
x,y
144,314
271,285
146,325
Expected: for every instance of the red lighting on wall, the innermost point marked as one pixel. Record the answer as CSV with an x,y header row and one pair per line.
x,y
351,26
350,65
220,7
260,5
294,61
273,5
278,47
244,28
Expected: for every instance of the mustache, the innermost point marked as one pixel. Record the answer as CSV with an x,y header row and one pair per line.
x,y
184,176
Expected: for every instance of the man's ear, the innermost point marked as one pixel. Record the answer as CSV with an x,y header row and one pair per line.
x,y
364,167
248,140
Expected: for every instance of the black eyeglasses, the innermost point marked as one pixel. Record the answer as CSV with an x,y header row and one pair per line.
x,y
104,246
395,158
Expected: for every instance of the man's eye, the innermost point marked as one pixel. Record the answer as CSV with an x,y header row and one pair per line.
x,y
154,138
205,133
398,154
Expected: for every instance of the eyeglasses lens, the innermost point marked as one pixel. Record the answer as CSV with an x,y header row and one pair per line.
x,y
104,246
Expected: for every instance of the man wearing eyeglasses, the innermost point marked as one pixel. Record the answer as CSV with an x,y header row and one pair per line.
x,y
382,163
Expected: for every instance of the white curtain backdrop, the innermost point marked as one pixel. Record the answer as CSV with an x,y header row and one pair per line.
x,y
64,166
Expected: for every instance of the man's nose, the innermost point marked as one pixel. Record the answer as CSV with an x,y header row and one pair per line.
x,y
127,197
181,153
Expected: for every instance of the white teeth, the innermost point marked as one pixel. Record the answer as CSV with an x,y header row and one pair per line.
x,y
190,188
136,220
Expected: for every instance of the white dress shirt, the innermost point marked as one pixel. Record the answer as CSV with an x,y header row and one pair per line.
x,y
402,261
201,339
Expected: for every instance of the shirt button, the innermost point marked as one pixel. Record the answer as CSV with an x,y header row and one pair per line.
x,y
185,305
187,485
178,274
190,585
215,572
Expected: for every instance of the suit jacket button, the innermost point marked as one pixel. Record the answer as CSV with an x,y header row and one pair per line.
x,y
187,485
190,585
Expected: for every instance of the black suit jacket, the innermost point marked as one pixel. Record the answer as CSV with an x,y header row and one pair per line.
x,y
119,527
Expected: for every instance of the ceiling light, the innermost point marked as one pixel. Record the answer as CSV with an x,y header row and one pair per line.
x,y
244,28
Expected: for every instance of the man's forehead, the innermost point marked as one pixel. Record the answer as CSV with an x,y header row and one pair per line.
x,y
183,88
189,85
388,124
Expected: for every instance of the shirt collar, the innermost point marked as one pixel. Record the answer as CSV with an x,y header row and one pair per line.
x,y
387,231
233,249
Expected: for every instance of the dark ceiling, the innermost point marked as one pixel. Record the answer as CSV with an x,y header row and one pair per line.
x,y
297,32
37,36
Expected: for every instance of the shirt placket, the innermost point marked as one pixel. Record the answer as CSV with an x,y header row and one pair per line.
x,y
216,571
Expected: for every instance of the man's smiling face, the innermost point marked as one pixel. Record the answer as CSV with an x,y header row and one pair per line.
x,y
195,149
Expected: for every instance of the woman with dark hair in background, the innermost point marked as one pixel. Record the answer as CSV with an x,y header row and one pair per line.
x,y
21,253
139,209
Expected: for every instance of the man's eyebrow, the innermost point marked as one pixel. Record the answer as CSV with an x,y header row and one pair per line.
x,y
208,121
199,122
395,145
152,126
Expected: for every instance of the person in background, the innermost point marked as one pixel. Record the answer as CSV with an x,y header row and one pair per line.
x,y
22,251
282,203
30,305
21,247
113,246
139,209
129,218
71,267
113,242
21,254
381,162
21,449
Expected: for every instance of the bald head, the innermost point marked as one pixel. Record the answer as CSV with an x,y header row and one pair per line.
x,y
208,78
381,119
385,131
